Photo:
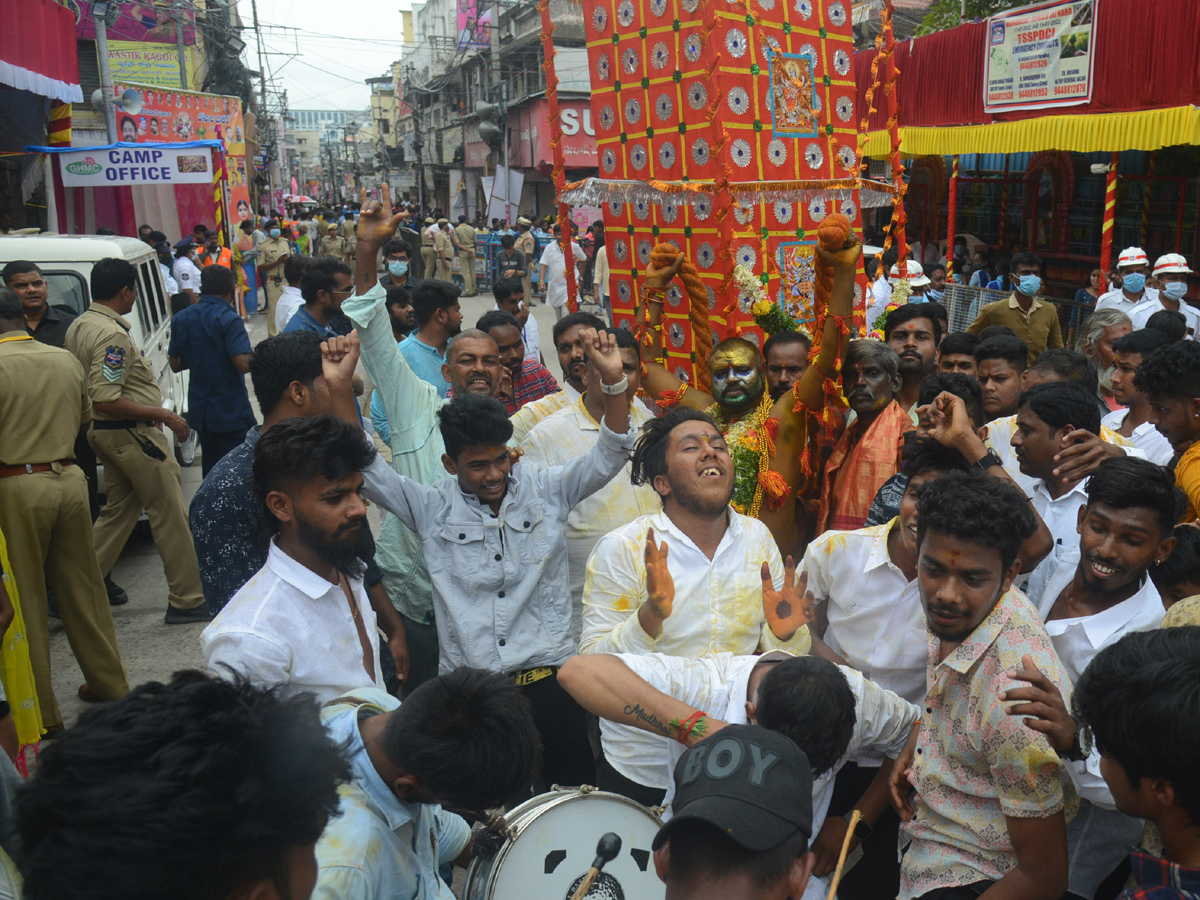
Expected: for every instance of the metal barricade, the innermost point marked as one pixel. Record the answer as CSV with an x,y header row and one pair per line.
x,y
963,304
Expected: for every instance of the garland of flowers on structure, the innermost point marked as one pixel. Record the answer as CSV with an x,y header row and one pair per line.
x,y
900,294
664,255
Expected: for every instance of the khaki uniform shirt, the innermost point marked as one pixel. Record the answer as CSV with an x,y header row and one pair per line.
x,y
116,368
527,244
43,401
273,249
442,245
465,235
334,246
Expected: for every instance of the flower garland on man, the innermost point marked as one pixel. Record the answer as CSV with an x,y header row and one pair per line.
x,y
770,439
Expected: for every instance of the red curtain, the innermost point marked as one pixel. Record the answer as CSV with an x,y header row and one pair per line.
x,y
37,48
1146,58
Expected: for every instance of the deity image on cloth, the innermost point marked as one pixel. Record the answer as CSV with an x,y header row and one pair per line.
x,y
792,112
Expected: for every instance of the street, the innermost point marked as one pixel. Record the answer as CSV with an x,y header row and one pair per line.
x,y
153,650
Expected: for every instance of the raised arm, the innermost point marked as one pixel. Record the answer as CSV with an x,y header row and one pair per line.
x,y
657,379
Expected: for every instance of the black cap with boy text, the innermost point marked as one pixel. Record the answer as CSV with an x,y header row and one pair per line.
x,y
753,784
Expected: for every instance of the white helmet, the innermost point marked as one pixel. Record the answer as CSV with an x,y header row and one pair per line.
x,y
1132,256
1171,263
916,275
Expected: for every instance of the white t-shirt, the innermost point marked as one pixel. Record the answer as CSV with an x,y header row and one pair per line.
x,y
186,275
1145,437
1141,314
285,307
1116,299
556,272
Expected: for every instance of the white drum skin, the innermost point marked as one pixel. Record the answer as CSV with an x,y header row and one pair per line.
x,y
553,842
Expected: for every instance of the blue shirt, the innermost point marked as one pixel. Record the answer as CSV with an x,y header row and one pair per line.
x,y
224,518
206,336
426,364
303,321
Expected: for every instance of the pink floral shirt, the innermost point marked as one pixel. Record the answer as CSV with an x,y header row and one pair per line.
x,y
974,763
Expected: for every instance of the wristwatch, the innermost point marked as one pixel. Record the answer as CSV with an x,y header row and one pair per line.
x,y
862,830
613,389
1082,748
988,460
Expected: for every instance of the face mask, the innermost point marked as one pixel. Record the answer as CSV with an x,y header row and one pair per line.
x,y
1175,290
934,295
275,232
1135,282
1029,284
397,268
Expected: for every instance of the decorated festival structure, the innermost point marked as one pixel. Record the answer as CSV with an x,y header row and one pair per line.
x,y
728,130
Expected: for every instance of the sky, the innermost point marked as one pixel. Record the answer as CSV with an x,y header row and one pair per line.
x,y
340,43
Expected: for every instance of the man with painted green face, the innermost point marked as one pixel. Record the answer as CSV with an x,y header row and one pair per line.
x,y
868,452
740,404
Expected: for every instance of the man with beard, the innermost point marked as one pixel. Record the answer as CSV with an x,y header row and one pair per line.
x,y
786,357
914,332
411,403
304,621
743,410
569,347
400,312
724,568
1096,337
494,540
1097,594
868,452
983,798
526,380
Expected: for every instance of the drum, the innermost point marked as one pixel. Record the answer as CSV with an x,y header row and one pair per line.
x,y
553,841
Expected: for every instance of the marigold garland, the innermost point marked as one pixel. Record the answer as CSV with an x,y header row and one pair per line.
x,y
751,443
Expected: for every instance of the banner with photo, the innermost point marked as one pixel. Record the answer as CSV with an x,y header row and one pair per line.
x,y
169,115
139,20
1040,56
118,166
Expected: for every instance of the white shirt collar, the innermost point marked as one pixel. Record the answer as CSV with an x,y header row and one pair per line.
x,y
299,576
1103,625
662,524
1080,488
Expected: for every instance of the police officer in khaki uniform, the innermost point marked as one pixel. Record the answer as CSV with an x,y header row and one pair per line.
x,y
346,230
443,249
464,243
44,511
274,253
527,244
139,468
428,256
335,245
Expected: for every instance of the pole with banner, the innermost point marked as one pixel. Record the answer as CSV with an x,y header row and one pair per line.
x,y
556,136
891,89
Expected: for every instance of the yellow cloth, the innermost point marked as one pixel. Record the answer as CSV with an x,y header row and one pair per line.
x,y
16,670
1147,129
1187,476
1185,612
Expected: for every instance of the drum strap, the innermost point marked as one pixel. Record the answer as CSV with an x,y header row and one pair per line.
x,y
526,677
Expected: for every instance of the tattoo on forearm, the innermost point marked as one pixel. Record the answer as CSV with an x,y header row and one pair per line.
x,y
635,711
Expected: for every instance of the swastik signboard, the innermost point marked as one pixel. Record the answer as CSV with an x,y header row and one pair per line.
x,y
136,165
1040,56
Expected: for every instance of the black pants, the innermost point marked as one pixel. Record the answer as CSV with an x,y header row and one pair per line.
x,y
877,875
562,723
614,782
422,652
215,444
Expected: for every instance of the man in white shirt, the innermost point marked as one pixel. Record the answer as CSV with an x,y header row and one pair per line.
x,y
290,300
184,270
407,762
552,272
1133,422
1047,416
568,344
1171,271
724,568
304,620
1100,592
831,712
881,295
510,297
1133,266
570,433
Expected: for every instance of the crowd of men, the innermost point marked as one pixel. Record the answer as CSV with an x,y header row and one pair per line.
x,y
941,645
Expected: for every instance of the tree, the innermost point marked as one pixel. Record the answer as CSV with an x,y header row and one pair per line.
x,y
945,14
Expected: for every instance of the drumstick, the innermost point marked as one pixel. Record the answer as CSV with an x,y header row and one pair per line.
x,y
837,873
606,850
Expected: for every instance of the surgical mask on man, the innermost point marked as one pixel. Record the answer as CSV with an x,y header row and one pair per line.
x,y
1135,282
397,268
1175,290
275,232
934,295
1029,284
